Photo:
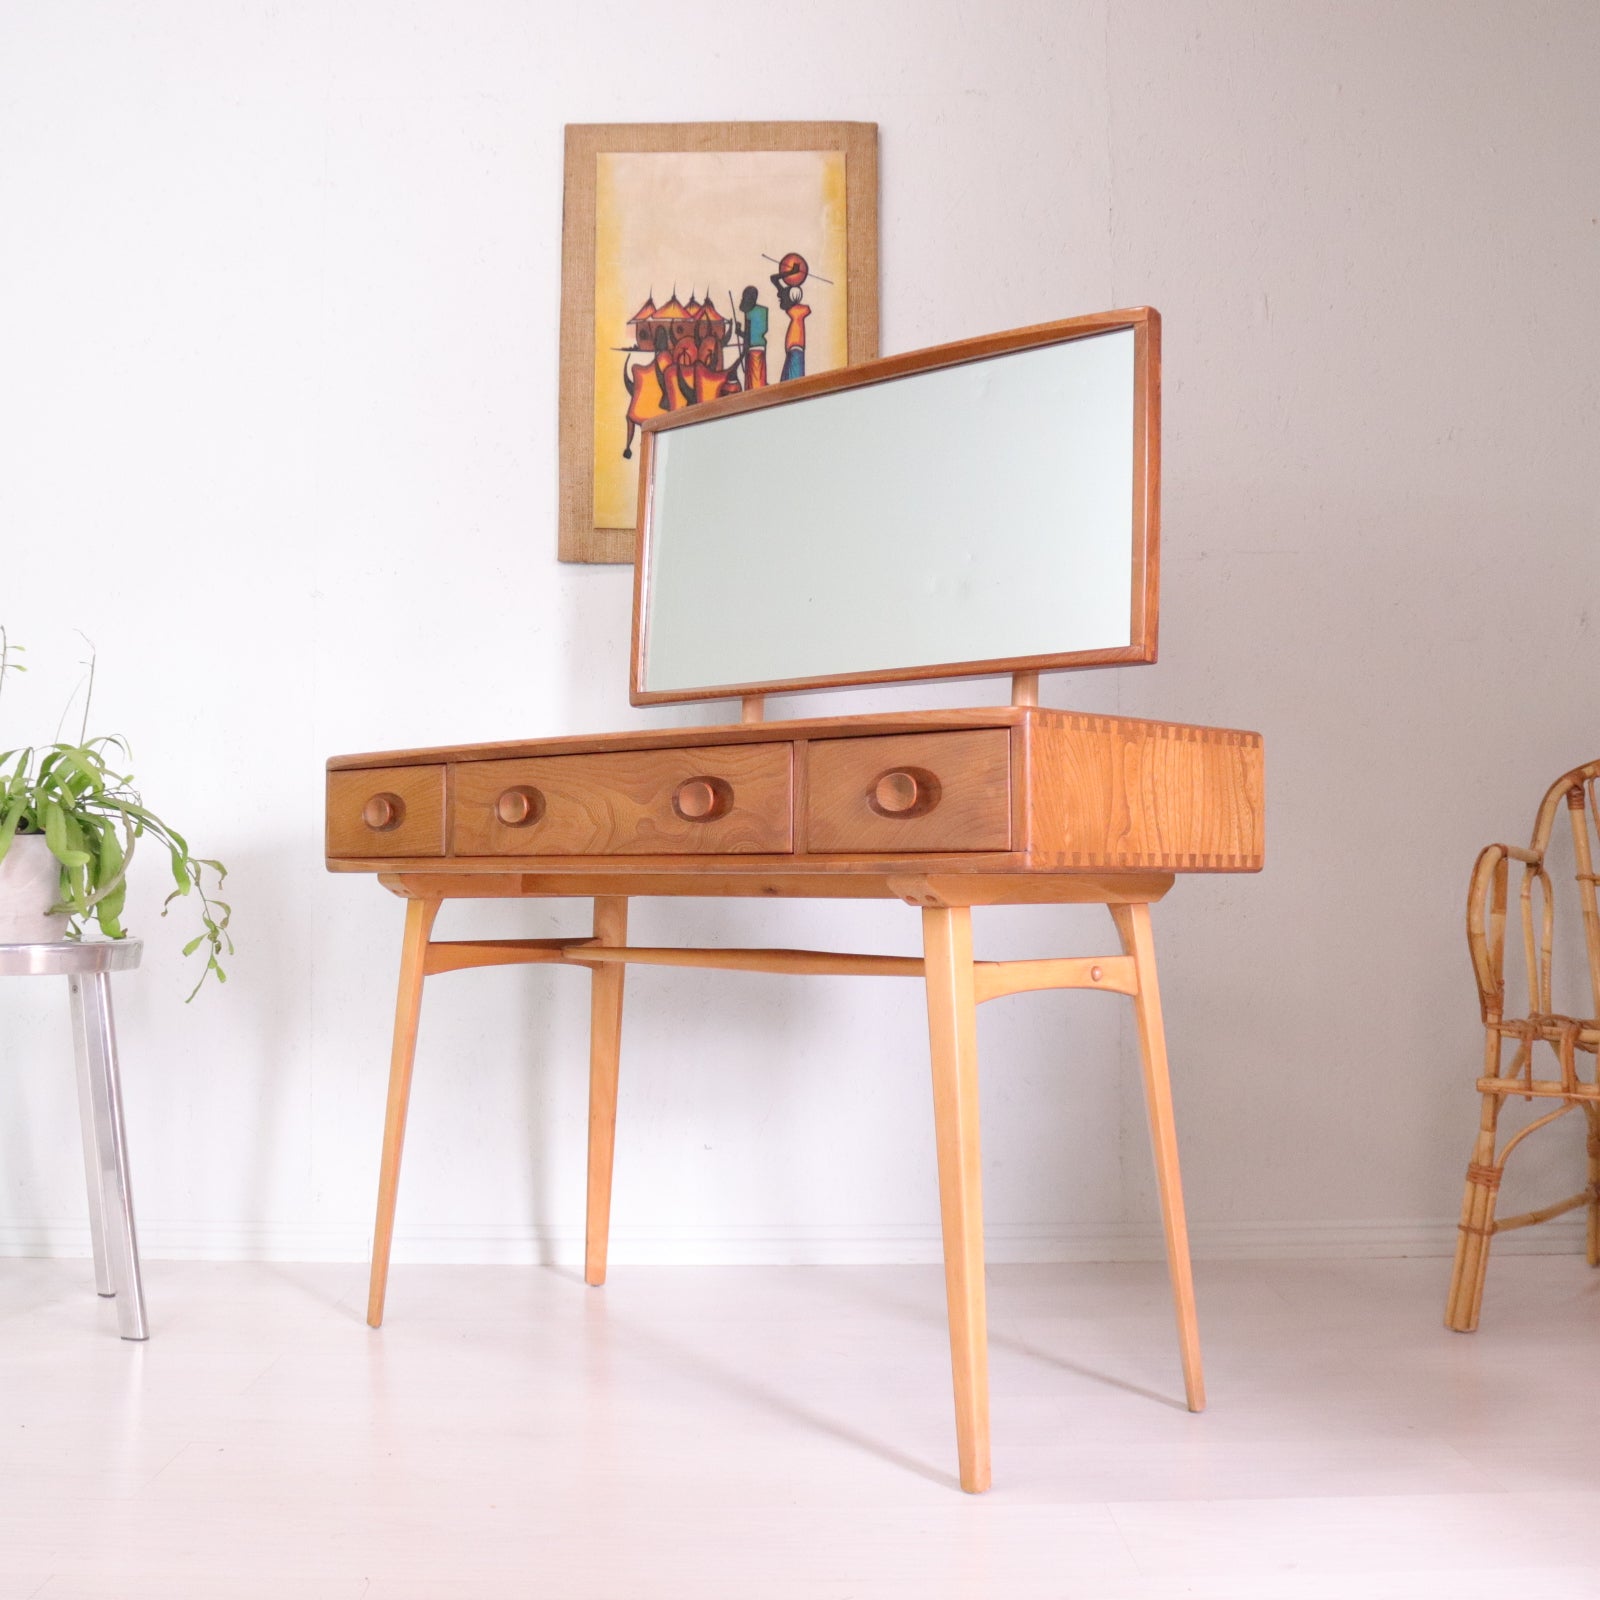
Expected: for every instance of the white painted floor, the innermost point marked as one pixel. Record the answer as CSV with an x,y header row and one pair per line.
x,y
752,1433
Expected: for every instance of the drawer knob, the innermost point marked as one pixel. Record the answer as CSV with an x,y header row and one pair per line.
x,y
383,813
520,807
702,799
904,792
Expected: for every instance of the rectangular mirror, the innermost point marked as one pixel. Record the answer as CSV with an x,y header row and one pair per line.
x,y
982,507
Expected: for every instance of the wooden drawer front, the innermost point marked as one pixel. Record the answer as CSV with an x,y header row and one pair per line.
x,y
916,791
386,811
640,802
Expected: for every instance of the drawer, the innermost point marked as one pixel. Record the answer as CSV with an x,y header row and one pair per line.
x,y
386,811
718,800
914,791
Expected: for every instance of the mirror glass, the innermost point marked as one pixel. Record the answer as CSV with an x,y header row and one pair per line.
x,y
969,513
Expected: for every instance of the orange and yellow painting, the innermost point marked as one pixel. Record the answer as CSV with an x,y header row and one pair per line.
x,y
714,272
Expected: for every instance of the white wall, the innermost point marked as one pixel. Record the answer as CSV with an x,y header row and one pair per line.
x,y
278,303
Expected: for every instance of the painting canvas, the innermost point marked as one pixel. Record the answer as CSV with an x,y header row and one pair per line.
x,y
714,271
706,271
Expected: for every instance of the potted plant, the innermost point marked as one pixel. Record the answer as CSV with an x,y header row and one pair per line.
x,y
69,825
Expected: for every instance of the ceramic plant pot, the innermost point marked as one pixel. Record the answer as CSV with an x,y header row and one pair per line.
x,y
30,883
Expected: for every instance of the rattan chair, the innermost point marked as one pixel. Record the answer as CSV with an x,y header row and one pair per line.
x,y
1569,1038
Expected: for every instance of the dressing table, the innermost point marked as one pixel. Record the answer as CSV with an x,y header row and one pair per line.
x,y
982,508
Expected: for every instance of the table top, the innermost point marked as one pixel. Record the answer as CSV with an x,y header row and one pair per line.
x,y
69,957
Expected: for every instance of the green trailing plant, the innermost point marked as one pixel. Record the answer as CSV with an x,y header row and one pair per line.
x,y
92,818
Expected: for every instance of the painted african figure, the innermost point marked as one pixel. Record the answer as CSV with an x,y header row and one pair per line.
x,y
647,384
754,338
789,281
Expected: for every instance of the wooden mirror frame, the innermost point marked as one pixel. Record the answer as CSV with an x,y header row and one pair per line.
x,y
1145,324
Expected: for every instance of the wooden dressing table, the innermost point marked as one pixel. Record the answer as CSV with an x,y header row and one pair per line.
x,y
944,810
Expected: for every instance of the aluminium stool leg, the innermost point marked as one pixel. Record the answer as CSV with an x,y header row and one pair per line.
x,y
91,1143
111,1196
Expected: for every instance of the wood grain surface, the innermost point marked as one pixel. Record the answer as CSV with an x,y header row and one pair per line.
x,y
871,725
1021,789
1112,792
971,781
419,793
622,804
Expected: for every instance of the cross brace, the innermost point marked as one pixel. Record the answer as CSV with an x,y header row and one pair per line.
x,y
1114,974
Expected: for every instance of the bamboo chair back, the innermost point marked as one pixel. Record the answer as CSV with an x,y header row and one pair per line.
x,y
1488,896
1570,1038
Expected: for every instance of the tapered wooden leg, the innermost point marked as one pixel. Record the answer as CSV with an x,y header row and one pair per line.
x,y
407,1011
953,1036
605,1049
1133,926
1477,1225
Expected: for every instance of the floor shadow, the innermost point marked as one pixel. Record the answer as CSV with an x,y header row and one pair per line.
x,y
697,1365
1104,1379
348,1302
874,1294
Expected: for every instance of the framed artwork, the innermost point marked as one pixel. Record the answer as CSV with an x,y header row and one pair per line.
x,y
700,259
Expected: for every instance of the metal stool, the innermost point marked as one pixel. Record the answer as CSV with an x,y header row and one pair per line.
x,y
87,969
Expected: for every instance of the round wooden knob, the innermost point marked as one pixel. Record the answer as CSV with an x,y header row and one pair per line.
x,y
520,807
702,799
897,793
904,792
384,812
